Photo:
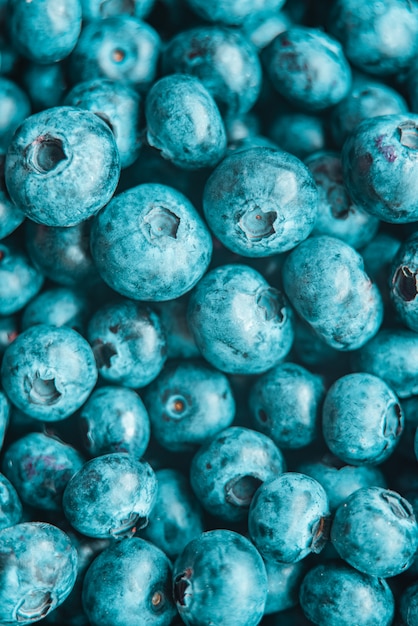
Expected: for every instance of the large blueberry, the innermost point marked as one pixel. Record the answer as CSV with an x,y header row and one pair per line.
x,y
337,595
241,325
275,523
260,202
62,166
325,281
59,306
226,472
184,122
128,583
48,372
376,532
39,569
110,496
380,167
149,243
189,403
220,578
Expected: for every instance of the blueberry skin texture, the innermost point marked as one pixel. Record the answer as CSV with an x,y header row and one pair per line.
x,y
188,404
325,281
62,166
362,419
226,472
285,404
233,12
409,605
122,48
149,243
298,133
48,372
283,584
119,106
376,532
45,85
184,122
39,467
240,324
220,578
380,167
392,355
110,496
19,280
59,306
177,517
308,68
62,254
367,98
403,282
338,595
340,480
10,505
260,202
97,9
275,525
114,419
54,27
338,215
129,583
39,569
15,108
224,61
128,343
365,29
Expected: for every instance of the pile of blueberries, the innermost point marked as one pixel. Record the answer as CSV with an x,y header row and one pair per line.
x,y
209,312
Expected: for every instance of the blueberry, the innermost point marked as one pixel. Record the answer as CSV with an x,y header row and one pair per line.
x,y
189,403
44,84
364,31
376,532
337,595
325,281
39,467
379,167
122,48
226,472
276,525
101,9
262,28
15,106
39,569
409,605
116,104
176,517
298,133
128,343
308,68
184,122
62,166
54,27
48,372
260,202
338,215
285,404
127,582
220,578
283,582
233,11
19,280
180,341
110,496
403,286
59,306
10,505
225,62
392,355
340,480
362,419
149,243
114,419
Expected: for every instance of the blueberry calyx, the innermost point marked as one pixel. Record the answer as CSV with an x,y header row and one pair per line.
x,y
182,587
239,491
46,154
258,224
103,353
398,505
408,134
157,600
128,526
35,606
176,406
405,283
320,534
42,390
271,304
160,223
